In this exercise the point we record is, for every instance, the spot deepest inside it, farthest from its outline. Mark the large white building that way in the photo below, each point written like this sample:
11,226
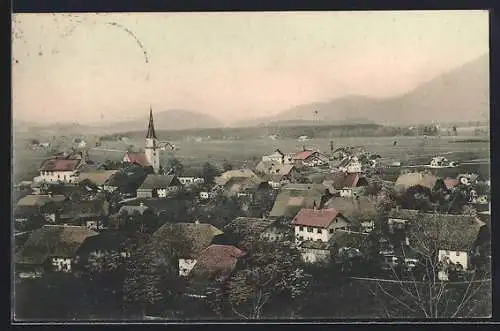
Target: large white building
60,170
318,224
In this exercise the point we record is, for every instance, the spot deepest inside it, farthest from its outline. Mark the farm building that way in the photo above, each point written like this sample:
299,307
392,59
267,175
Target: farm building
361,211
346,184
293,197
309,158
100,178
238,173
159,186
56,170
318,224
50,248
247,230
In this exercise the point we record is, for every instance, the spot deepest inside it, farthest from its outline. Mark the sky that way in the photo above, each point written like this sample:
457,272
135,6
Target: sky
88,68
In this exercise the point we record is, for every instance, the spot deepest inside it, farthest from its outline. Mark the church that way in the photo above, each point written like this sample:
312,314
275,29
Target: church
151,155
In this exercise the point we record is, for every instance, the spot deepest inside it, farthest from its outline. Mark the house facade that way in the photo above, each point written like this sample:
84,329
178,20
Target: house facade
350,165
318,225
309,158
59,170
159,186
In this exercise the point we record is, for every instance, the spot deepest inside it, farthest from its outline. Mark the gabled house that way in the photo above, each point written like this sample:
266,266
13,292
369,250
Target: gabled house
280,174
278,157
318,224
293,197
33,205
346,184
187,240
91,214
138,158
361,211
50,248
100,178
350,165
159,186
309,158
215,264
59,170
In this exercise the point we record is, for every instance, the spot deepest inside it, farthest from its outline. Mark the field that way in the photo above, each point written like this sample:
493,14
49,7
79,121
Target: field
473,155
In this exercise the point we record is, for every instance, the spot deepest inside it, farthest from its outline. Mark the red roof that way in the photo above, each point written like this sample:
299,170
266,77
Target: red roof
342,180
451,182
320,218
60,165
303,155
139,158
217,260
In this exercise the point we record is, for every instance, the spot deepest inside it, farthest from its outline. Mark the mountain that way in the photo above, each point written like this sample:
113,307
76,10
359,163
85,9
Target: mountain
461,94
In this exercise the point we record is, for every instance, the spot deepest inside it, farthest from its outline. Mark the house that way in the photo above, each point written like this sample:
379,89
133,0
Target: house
293,197
245,187
346,184
278,157
52,247
33,204
59,170
100,178
249,229
361,211
309,158
426,180
318,224
350,165
277,174
191,180
188,239
159,186
238,173
138,158
91,213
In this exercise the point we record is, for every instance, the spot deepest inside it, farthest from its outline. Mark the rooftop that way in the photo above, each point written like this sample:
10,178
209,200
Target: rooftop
153,181
321,218
217,262
139,158
56,164
99,177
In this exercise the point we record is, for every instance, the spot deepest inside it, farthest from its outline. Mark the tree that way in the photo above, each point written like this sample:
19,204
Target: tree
209,172
227,166
268,277
174,166
419,291
151,280
417,197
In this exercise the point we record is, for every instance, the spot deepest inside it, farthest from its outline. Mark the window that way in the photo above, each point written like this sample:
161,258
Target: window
336,220
331,231
319,230
301,228
457,253
310,229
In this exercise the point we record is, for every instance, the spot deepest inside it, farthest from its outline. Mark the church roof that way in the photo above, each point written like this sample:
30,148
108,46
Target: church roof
151,127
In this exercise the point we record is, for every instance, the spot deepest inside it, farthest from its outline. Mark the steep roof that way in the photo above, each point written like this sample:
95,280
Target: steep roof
342,180
151,127
57,164
99,177
153,181
294,197
90,208
303,155
109,240
139,158
217,262
356,210
406,181
321,218
39,200
194,237
239,184
52,241
224,177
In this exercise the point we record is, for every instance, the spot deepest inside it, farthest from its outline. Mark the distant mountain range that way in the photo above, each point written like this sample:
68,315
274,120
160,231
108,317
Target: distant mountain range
461,94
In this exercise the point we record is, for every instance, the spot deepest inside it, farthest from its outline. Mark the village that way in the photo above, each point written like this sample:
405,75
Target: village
236,239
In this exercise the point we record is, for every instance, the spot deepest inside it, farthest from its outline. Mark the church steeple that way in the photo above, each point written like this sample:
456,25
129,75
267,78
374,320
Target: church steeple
151,127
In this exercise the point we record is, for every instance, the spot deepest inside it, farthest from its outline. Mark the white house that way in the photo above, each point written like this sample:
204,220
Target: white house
277,157
59,170
159,186
318,224
190,180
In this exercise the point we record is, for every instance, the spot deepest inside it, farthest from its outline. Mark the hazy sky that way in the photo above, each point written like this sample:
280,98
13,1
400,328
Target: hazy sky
231,65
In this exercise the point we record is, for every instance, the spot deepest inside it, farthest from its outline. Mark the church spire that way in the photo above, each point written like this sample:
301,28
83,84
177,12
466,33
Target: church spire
151,127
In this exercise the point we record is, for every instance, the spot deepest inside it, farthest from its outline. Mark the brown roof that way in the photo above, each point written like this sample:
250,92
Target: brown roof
293,197
342,180
451,183
159,181
217,262
39,199
60,165
97,177
192,238
139,158
303,155
321,218
356,210
52,241
248,226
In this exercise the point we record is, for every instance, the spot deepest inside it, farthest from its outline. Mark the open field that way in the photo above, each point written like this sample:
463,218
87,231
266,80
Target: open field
474,156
